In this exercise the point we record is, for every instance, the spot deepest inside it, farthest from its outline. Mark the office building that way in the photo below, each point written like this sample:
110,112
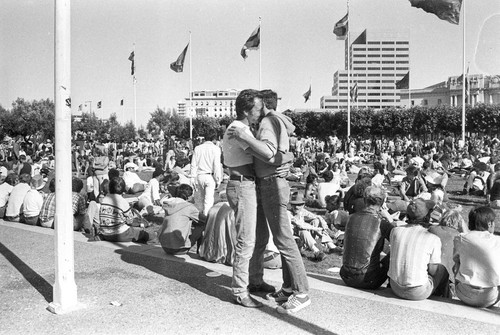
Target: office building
215,103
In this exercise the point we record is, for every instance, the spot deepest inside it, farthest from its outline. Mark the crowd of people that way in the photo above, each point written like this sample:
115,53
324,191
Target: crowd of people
280,195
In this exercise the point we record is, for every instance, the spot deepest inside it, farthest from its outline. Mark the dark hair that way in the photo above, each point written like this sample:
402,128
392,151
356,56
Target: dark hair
360,187
113,173
328,176
117,185
245,102
311,178
11,179
377,166
184,191
480,217
52,185
412,170
426,164
158,172
270,99
76,185
25,178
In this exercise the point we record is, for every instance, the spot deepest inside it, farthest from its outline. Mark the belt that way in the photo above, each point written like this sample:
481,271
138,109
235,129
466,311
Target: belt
242,178
273,176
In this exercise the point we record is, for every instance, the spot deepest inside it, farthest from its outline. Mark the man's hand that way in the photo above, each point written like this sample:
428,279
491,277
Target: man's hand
283,170
237,132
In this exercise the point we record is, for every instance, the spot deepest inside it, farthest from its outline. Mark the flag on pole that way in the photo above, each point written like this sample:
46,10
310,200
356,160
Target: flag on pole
307,95
461,79
448,10
252,43
132,66
99,104
341,28
121,102
404,83
354,92
178,65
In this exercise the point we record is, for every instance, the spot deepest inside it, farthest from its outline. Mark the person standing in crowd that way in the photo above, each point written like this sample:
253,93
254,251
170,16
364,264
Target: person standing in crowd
206,171
365,233
273,196
477,261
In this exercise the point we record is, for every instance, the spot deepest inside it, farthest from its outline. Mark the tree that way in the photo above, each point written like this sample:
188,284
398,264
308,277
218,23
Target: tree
34,118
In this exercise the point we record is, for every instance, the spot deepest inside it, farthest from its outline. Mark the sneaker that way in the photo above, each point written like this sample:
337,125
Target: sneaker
248,301
264,287
280,296
319,256
294,304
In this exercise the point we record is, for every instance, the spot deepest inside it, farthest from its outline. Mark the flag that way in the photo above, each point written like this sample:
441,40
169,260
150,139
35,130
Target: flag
461,79
68,102
99,104
404,83
121,102
178,65
448,10
354,92
307,95
341,28
80,108
132,66
252,43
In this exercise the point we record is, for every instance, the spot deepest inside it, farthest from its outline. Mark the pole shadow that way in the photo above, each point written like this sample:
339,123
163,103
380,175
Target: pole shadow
37,281
196,276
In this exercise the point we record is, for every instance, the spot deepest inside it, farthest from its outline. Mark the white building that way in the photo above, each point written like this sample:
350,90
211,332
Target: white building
215,103
377,61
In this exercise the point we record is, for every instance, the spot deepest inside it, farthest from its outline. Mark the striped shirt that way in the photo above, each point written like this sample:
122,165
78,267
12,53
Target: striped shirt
115,215
412,249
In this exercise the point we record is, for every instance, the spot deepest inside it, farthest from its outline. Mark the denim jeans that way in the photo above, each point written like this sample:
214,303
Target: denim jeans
274,194
242,198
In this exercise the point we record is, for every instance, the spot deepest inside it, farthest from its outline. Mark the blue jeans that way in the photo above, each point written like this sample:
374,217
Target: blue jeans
274,194
242,198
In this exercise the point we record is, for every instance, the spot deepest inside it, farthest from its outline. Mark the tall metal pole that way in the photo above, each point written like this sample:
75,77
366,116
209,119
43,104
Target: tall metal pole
65,291
260,53
190,89
348,74
135,94
463,73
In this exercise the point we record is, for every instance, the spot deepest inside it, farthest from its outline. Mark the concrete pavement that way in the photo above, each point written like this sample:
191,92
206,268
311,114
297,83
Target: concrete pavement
127,288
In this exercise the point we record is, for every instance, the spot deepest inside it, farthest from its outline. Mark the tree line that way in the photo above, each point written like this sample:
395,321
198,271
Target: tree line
36,118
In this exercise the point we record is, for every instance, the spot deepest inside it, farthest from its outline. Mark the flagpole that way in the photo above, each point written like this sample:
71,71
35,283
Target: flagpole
348,76
463,72
260,53
190,89
135,94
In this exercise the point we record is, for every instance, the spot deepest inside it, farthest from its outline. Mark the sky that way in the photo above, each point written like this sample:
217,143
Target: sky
298,48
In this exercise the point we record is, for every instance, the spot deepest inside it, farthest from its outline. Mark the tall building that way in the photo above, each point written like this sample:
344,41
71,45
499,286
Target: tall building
377,61
482,89
212,103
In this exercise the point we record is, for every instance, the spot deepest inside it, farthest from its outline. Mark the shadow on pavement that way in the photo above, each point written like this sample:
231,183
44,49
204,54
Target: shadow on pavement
37,281
195,276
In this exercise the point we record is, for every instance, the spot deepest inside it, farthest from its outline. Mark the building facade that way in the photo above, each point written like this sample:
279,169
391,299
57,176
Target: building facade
215,103
481,89
377,61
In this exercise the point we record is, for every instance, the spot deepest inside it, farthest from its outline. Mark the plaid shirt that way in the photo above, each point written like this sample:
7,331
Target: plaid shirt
48,210
79,204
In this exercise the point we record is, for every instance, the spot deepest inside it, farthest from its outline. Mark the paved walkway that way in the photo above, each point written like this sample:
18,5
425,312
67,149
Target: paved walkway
125,288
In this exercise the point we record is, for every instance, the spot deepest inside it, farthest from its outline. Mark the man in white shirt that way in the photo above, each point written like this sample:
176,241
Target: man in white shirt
206,171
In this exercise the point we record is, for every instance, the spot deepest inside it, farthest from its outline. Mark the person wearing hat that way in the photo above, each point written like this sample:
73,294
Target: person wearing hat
415,269
150,198
365,232
307,226
133,182
32,203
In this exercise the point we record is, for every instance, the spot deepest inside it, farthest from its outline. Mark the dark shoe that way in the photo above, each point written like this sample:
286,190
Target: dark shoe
264,287
280,296
248,302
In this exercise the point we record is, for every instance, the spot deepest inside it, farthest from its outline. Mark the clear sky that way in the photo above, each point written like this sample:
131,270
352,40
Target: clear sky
297,44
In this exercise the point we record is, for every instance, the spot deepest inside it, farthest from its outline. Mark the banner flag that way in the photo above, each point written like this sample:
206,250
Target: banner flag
341,28
307,95
252,43
404,83
132,66
448,10
178,65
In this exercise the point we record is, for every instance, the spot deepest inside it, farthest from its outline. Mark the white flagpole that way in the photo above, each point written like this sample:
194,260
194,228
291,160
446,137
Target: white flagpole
348,74
463,72
135,95
190,89
260,53
65,290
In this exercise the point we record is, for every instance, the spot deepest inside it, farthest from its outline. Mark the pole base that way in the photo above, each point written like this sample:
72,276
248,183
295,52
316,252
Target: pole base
59,309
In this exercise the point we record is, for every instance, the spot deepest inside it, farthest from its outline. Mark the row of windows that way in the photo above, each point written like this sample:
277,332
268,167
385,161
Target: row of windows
388,42
214,103
203,94
383,49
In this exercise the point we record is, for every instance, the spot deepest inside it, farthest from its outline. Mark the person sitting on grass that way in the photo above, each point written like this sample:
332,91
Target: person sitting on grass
363,266
477,181
329,187
78,203
5,190
477,261
150,198
16,198
181,228
311,191
412,185
117,220
133,182
307,226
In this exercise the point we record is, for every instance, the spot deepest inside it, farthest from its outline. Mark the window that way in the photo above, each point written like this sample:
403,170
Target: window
387,49
402,49
401,55
402,42
372,56
424,102
439,101
388,62
388,68
359,68
374,68
359,62
373,42
402,62
387,42
374,81
385,56
401,69
373,49
359,49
